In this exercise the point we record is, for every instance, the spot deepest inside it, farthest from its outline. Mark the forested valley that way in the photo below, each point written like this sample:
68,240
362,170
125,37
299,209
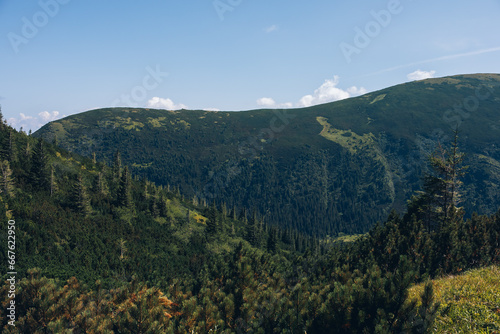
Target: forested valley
332,168
103,251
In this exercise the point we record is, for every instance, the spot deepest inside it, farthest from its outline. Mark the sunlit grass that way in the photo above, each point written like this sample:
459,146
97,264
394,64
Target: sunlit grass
470,303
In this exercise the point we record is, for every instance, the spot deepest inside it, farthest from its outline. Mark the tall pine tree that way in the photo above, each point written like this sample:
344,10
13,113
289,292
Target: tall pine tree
440,198
100,185
124,195
211,214
250,229
117,166
6,182
11,149
53,182
80,199
39,175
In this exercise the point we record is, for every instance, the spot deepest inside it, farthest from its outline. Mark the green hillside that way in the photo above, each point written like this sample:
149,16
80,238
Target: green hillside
314,169
469,303
77,217
101,250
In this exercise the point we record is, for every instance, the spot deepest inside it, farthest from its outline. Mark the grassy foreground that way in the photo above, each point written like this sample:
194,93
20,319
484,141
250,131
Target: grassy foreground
470,303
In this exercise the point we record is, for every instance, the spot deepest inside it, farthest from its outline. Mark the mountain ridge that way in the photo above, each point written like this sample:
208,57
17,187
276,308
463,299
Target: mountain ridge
326,159
104,251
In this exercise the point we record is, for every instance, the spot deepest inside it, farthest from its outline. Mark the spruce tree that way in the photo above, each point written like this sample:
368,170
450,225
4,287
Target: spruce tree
4,140
250,229
162,205
100,186
6,182
145,193
445,183
271,240
80,199
39,176
26,156
234,214
11,149
211,228
117,166
124,195
153,201
53,183
441,196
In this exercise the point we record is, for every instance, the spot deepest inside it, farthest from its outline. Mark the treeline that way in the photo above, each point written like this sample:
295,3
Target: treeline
317,193
119,254
315,190
80,217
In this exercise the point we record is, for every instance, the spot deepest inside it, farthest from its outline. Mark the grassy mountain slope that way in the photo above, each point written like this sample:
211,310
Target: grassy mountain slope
469,303
315,169
73,220
117,254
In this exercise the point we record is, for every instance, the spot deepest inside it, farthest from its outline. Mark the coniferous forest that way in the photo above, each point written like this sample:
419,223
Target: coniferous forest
333,168
249,167
100,250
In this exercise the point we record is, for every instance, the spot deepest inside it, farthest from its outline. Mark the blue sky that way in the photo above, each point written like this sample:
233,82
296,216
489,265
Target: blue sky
61,57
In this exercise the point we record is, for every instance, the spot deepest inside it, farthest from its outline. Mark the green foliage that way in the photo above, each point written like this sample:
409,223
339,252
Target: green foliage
79,197
141,258
46,306
322,170
250,229
38,175
6,181
440,198
211,214
124,195
469,302
117,166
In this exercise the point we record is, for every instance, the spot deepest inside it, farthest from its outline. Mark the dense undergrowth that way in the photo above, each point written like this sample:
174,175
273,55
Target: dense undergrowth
120,254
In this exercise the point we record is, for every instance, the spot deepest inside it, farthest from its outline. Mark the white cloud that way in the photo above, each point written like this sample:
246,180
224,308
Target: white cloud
48,117
31,122
329,92
355,91
160,103
266,102
270,29
421,75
